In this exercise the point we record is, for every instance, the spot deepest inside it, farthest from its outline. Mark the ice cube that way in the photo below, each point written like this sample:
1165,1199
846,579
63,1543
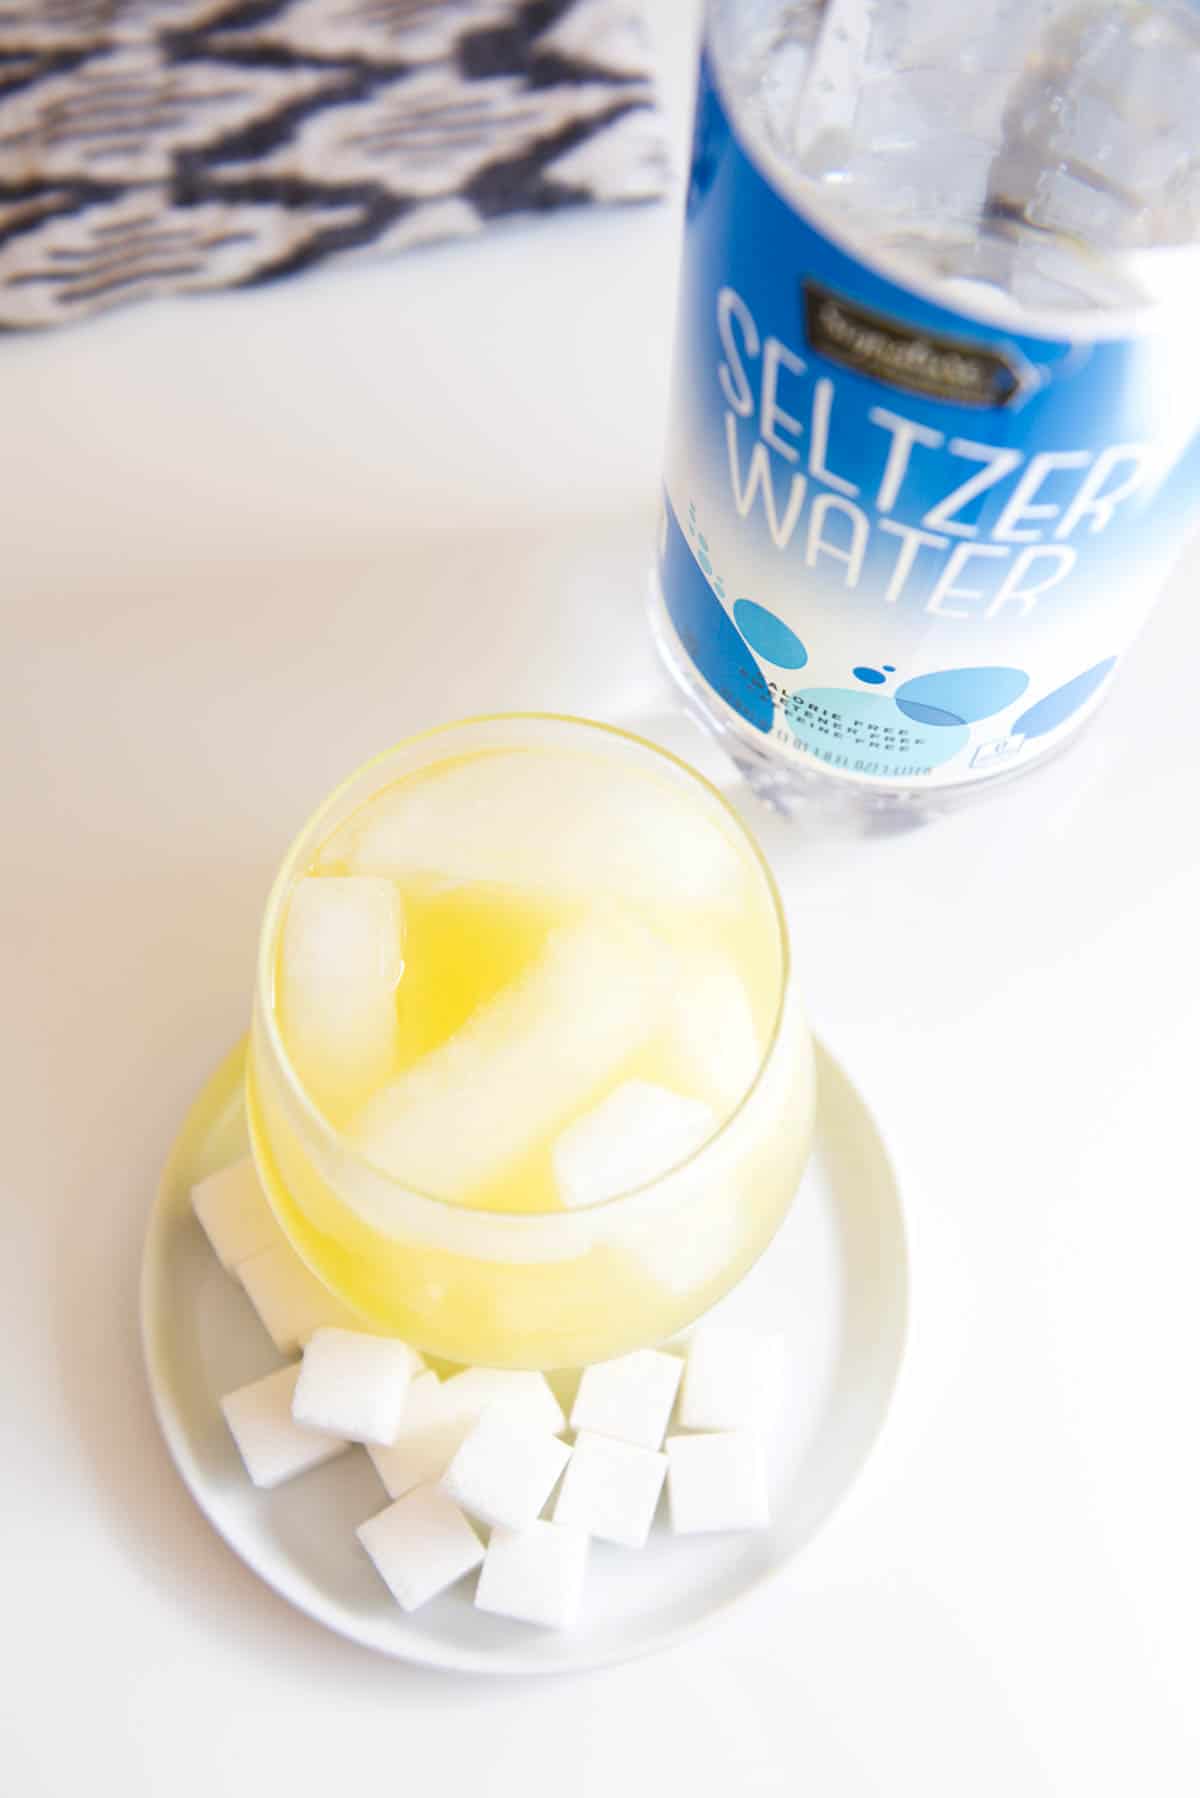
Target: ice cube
637,1133
713,1039
522,1063
692,1246
340,959
569,825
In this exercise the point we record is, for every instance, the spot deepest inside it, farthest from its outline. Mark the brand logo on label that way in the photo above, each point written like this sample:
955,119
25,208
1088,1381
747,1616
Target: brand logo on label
943,368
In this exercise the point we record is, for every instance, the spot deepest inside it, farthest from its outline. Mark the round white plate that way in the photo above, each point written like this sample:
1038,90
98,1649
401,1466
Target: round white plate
835,1280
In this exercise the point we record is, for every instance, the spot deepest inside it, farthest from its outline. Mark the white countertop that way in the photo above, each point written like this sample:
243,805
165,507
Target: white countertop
250,539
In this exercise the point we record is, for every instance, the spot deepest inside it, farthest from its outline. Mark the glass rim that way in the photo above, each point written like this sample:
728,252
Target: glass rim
308,835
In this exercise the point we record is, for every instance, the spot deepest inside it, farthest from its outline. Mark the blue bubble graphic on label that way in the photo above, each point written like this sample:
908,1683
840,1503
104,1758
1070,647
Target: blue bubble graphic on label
1058,706
955,696
867,733
871,676
889,668
769,635
708,634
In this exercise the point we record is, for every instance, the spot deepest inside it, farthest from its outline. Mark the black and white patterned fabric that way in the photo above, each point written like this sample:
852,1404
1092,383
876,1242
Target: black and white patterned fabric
149,146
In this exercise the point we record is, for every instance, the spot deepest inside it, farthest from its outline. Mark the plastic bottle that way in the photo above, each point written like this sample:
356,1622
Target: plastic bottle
935,428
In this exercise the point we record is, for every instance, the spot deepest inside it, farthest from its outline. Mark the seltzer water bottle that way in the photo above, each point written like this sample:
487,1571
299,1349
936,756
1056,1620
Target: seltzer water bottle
934,438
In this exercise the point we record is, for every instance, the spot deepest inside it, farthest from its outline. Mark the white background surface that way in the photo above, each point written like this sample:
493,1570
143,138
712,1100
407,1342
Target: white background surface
248,540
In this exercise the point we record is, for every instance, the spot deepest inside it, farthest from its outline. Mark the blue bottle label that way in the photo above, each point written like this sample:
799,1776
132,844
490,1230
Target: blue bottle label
903,542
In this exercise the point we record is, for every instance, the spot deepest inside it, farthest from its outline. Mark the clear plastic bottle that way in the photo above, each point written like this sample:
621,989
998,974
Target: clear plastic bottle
935,428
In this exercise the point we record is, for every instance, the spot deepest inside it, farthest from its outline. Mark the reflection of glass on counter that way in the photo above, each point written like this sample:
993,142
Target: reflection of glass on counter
527,1084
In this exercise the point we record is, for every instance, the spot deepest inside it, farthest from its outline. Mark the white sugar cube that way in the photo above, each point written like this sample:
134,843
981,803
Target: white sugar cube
610,1489
717,1482
630,1398
420,1545
356,1385
637,1133
234,1214
535,1575
732,1379
340,958
432,1428
504,1471
291,1302
270,1442
523,1396
712,1037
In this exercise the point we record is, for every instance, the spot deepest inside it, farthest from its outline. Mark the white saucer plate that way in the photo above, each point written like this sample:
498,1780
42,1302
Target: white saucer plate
834,1280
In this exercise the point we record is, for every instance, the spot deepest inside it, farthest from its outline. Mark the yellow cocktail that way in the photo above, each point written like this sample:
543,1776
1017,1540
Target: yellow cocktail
527,1084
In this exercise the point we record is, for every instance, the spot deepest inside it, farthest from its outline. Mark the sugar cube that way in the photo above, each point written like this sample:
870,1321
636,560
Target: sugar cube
520,1394
440,1415
273,1446
420,1545
504,1471
717,1482
610,1489
432,1428
291,1302
535,1575
732,1379
637,1133
355,1385
629,1398
234,1214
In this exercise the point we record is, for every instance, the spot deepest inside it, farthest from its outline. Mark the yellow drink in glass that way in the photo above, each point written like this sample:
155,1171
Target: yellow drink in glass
527,1084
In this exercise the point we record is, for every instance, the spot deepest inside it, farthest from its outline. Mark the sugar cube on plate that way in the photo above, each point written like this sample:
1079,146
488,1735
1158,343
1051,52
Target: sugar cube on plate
526,1396
535,1575
355,1385
270,1442
637,1133
234,1214
717,1482
504,1471
420,1545
432,1428
291,1302
610,1489
732,1379
629,1398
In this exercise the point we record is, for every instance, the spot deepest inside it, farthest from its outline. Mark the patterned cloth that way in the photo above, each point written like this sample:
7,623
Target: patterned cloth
149,146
